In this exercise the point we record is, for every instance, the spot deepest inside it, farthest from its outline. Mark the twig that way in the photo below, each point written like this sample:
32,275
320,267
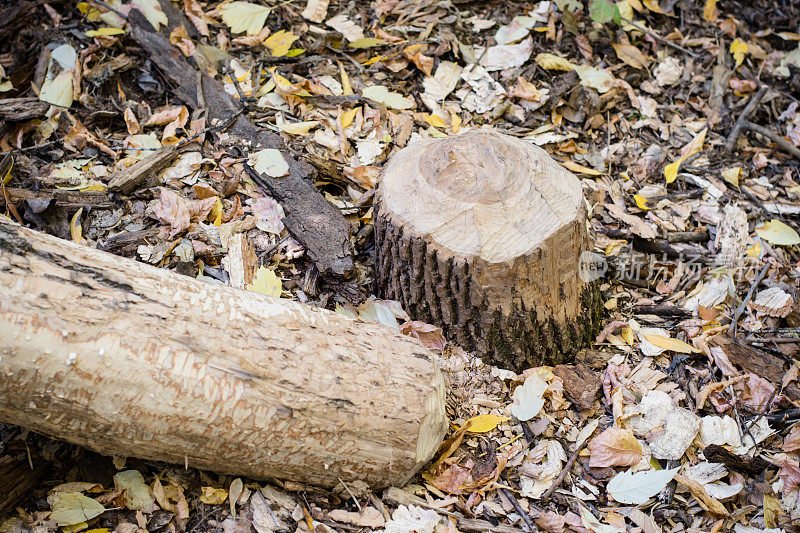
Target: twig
730,143
564,471
31,148
660,38
747,298
525,517
774,137
351,494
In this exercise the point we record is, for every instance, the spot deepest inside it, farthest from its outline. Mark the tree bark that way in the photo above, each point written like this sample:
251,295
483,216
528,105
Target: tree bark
131,360
483,235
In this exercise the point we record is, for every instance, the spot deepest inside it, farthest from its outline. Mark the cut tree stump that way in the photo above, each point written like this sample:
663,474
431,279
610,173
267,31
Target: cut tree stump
130,360
482,234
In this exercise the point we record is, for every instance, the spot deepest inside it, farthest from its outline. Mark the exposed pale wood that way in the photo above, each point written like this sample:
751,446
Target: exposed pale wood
132,360
482,234
143,173
241,261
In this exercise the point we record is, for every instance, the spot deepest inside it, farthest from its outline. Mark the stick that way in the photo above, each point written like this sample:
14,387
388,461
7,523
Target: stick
660,38
564,471
774,137
749,295
733,136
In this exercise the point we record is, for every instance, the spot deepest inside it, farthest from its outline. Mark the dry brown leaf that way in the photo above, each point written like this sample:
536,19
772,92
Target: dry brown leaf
712,505
614,447
631,55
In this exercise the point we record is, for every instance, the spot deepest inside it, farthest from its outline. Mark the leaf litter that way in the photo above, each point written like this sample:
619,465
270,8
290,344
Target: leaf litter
681,416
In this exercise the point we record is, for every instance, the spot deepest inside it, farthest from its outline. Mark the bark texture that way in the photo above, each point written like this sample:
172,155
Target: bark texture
491,254
127,359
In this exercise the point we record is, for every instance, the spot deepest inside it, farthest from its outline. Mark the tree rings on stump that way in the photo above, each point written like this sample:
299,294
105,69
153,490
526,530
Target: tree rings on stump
482,234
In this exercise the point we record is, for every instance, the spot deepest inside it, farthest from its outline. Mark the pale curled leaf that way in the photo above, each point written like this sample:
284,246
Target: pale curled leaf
636,489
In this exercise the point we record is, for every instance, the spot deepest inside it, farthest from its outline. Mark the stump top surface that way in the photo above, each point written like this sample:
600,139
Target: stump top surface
480,194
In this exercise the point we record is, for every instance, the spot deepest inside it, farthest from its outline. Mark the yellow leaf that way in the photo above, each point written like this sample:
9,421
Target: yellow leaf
694,146
631,55
298,128
732,175
373,60
553,62
580,169
641,201
216,213
105,32
244,17
75,230
776,232
627,335
5,169
367,42
382,95
346,88
435,121
280,42
455,122
653,6
485,423
754,251
668,343
738,49
265,282
152,11
212,496
710,11
348,116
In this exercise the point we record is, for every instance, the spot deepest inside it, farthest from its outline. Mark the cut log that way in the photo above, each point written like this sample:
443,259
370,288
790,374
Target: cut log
130,360
482,234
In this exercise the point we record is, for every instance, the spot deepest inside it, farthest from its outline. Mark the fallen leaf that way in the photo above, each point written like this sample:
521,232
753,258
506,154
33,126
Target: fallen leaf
75,229
669,343
105,32
73,507
265,282
630,55
778,233
636,489
738,48
382,95
712,505
315,10
368,42
298,128
137,494
614,447
213,496
280,42
710,10
484,423
693,147
152,11
244,17
554,62
270,162
528,398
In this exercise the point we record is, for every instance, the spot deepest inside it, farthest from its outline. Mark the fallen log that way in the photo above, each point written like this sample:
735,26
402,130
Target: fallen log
483,234
130,360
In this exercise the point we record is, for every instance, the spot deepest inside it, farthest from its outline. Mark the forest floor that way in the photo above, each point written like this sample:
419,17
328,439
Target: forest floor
682,120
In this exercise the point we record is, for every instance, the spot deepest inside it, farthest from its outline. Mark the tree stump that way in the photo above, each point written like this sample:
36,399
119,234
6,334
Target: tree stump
482,234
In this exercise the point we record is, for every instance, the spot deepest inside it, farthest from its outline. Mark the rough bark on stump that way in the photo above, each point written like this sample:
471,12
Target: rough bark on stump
131,360
482,234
